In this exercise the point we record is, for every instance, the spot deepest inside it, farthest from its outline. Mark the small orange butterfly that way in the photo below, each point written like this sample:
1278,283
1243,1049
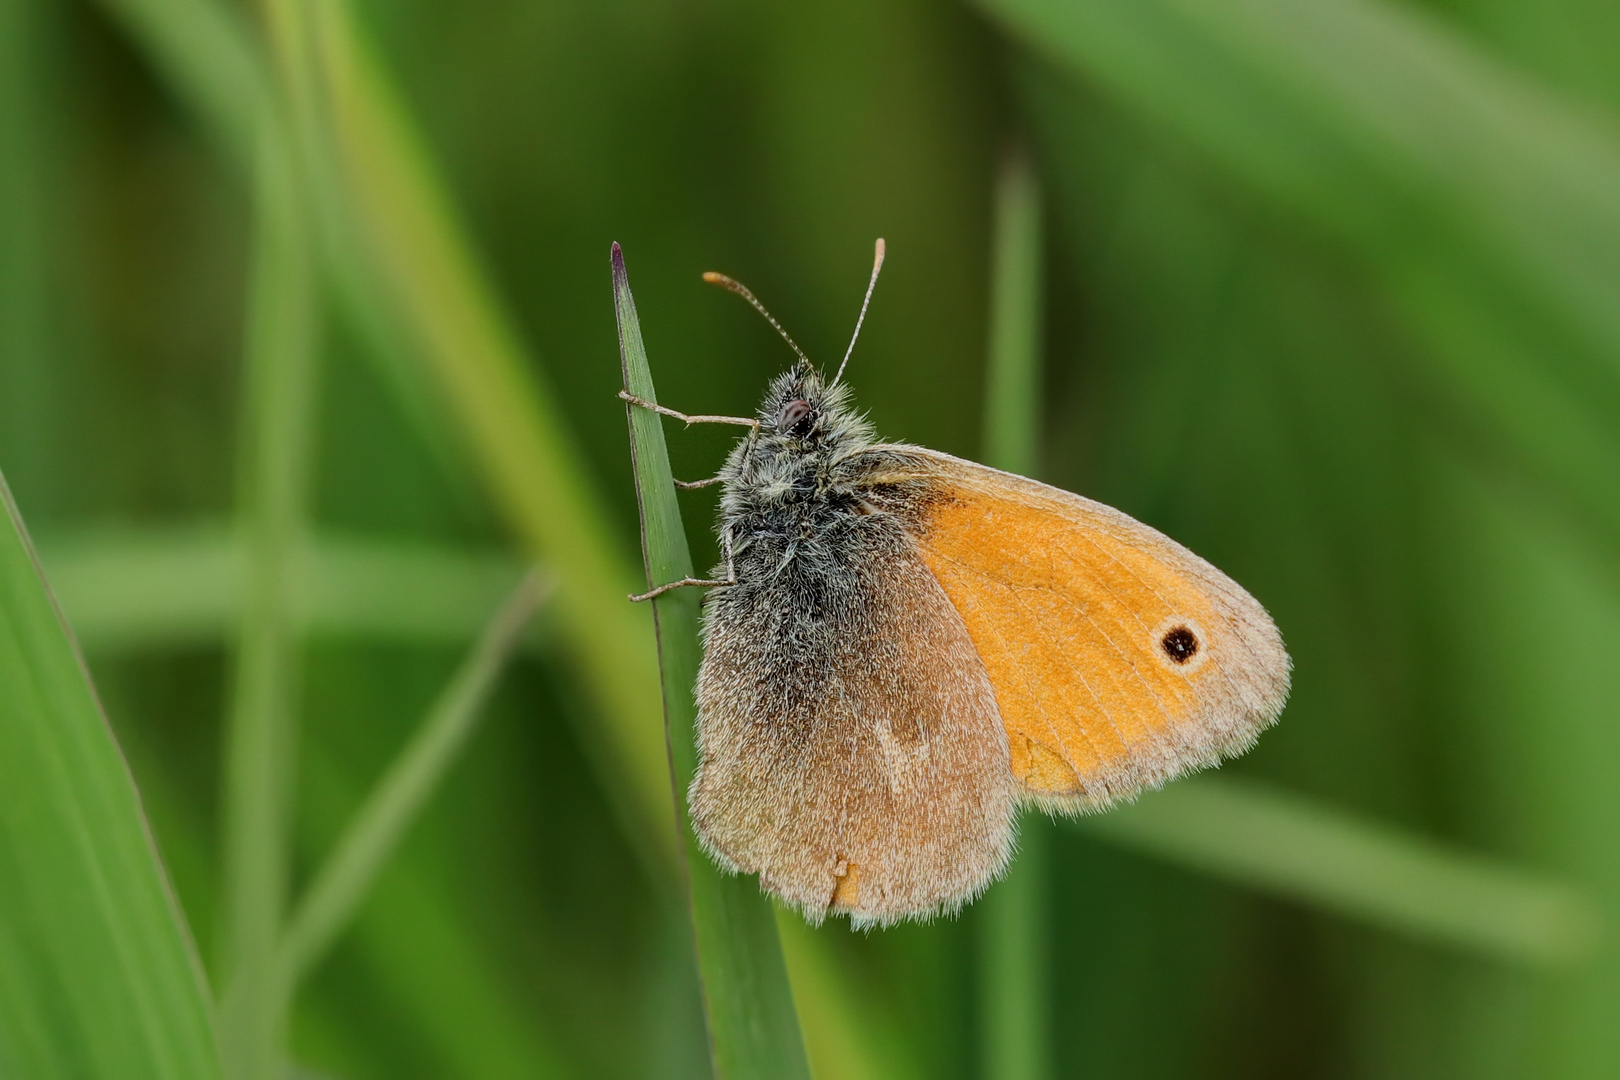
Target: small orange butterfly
906,646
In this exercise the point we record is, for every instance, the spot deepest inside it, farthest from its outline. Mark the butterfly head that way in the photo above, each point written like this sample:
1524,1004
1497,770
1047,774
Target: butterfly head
803,414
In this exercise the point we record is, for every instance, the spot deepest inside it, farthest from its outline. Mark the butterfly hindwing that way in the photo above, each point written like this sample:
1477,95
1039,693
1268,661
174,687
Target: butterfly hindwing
851,754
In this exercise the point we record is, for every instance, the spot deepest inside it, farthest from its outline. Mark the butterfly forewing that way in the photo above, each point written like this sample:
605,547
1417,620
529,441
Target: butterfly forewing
1119,658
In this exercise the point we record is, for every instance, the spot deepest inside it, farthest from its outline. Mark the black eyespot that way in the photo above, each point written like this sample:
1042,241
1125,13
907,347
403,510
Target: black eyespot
1179,644
798,417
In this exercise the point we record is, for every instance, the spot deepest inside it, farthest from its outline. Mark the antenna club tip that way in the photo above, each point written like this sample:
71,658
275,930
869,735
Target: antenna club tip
712,277
880,248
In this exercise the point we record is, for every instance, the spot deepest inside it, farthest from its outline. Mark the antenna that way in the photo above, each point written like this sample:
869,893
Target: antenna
742,290
877,265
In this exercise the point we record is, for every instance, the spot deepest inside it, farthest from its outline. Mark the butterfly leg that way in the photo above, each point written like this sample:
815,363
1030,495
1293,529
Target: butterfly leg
731,575
689,485
652,594
689,419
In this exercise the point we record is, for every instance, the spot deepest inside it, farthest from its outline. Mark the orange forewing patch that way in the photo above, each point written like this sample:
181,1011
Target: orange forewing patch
1067,616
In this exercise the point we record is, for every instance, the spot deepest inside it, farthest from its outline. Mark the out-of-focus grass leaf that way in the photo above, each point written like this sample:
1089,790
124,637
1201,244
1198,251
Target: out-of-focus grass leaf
1487,209
753,1029
1298,849
506,413
275,459
342,881
98,977
849,1033
207,52
1015,956
1013,373
133,589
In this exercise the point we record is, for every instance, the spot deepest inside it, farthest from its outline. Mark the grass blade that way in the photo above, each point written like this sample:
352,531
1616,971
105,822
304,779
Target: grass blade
277,391
341,883
1015,1040
98,977
1295,848
753,1030
158,588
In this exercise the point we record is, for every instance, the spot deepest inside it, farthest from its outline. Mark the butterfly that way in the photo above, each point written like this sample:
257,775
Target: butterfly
902,648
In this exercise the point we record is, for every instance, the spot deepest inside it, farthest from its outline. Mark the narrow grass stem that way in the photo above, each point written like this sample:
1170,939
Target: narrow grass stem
1014,949
277,392
342,881
1012,376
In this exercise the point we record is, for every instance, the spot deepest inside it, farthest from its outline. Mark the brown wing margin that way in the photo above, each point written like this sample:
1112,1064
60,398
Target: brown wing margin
1119,659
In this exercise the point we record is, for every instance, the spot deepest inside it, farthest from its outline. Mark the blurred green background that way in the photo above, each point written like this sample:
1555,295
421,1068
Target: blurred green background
1331,294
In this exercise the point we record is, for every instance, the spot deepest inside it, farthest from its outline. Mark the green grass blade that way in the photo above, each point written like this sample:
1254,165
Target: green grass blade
149,589
342,881
1296,848
1015,963
1015,1040
753,1030
98,977
277,392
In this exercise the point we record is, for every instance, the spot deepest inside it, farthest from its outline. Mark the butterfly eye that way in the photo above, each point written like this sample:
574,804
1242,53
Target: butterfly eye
1179,644
796,417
